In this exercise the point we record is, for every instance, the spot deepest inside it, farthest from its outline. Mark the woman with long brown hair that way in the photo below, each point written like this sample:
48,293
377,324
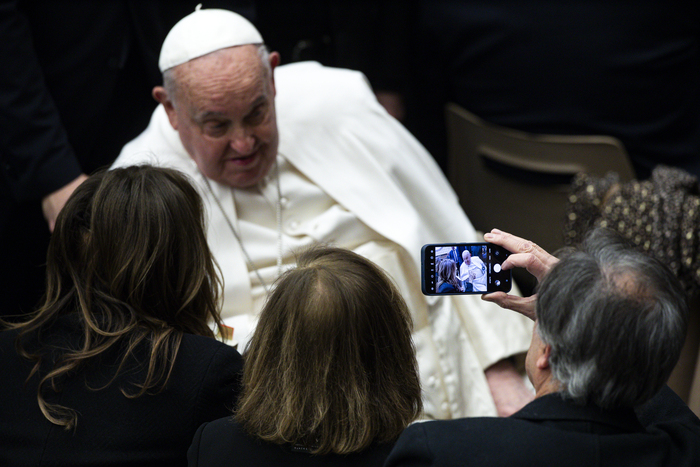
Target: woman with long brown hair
330,375
119,365
447,277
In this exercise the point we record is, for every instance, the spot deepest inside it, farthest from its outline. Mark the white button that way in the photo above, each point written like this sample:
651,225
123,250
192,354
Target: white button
445,406
293,225
431,381
284,201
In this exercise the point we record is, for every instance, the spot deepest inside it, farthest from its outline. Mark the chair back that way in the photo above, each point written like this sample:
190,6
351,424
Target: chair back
518,181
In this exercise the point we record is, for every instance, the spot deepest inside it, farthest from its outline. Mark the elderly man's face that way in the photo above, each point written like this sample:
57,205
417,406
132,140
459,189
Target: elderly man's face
224,112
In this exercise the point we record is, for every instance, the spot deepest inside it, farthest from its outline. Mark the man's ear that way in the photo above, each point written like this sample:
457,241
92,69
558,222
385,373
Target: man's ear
274,61
543,359
161,95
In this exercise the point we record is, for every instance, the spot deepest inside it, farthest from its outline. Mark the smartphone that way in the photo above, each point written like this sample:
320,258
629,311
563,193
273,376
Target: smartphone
464,268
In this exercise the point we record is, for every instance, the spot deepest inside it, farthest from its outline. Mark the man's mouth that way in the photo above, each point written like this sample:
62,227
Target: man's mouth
245,160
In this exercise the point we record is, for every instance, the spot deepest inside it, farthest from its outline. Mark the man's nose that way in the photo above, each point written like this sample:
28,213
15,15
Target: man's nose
243,142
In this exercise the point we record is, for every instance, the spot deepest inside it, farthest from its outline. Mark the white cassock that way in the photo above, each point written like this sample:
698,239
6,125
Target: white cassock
475,272
350,175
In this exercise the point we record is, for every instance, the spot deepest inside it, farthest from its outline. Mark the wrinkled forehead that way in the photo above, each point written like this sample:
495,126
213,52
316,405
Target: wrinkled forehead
231,73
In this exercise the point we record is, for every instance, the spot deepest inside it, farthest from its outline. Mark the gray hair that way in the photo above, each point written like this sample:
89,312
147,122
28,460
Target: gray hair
170,79
615,319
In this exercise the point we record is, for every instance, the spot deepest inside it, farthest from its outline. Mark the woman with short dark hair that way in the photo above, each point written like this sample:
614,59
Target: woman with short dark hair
119,365
330,375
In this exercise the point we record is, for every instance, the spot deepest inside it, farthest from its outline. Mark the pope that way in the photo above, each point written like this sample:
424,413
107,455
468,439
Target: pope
294,155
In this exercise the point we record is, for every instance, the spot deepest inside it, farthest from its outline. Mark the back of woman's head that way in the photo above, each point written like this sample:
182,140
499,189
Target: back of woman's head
128,261
447,271
331,365
131,242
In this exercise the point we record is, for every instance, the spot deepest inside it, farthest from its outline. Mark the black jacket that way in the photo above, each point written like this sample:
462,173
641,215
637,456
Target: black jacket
112,429
553,432
224,443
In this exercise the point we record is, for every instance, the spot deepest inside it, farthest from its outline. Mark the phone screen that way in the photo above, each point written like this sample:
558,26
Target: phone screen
464,268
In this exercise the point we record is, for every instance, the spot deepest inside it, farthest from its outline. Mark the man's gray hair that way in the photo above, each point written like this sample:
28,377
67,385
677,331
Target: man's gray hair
170,80
615,319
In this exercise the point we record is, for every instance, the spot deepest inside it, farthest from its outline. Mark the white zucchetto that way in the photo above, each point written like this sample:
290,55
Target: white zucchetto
204,32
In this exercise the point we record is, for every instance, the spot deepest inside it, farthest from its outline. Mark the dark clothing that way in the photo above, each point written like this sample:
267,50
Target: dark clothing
112,429
552,431
363,35
446,287
224,443
456,256
75,86
629,70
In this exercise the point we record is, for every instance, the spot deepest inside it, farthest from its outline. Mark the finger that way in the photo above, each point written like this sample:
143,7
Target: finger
532,263
523,305
516,244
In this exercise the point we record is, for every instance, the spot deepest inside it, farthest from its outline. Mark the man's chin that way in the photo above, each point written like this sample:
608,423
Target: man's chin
245,179
236,175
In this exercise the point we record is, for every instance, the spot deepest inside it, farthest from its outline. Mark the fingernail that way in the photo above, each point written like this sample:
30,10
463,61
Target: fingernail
496,231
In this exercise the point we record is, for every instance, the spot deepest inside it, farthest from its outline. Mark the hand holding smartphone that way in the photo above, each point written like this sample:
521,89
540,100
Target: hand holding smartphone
464,268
